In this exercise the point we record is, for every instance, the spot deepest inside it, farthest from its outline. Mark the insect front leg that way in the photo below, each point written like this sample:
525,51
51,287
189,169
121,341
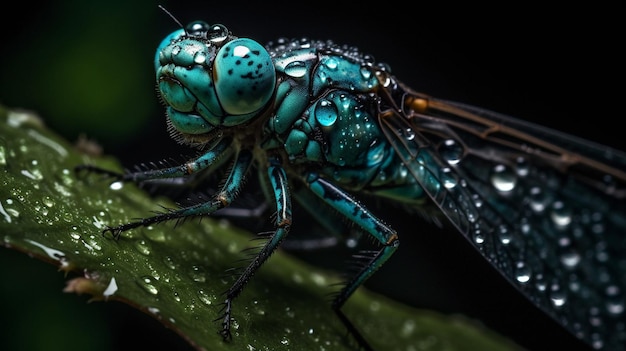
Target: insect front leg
221,199
353,210
205,160
280,190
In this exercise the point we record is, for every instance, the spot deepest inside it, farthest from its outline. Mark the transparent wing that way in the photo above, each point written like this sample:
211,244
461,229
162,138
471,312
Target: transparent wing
546,209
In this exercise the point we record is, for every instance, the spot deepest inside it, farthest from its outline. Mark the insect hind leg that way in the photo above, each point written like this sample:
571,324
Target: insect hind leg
357,213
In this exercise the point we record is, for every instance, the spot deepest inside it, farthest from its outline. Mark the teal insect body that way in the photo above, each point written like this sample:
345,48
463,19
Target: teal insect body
323,111
547,210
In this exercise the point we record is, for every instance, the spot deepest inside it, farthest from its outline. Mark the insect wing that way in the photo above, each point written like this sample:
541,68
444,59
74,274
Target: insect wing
546,209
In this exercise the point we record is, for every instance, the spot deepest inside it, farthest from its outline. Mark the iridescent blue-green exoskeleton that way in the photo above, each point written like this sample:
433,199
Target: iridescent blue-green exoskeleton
547,210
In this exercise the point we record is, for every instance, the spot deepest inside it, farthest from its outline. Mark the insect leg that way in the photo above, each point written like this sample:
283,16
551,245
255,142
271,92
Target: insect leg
330,223
221,199
353,210
280,189
191,167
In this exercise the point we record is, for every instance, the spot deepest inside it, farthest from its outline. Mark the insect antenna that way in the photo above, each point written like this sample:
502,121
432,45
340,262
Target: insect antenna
173,18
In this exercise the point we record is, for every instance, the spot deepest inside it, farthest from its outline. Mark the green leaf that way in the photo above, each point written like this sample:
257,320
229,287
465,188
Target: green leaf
177,273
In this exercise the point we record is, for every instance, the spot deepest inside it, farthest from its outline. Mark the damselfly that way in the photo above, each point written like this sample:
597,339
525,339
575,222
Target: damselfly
546,209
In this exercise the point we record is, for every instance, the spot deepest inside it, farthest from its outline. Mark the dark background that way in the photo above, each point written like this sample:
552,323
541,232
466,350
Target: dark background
86,67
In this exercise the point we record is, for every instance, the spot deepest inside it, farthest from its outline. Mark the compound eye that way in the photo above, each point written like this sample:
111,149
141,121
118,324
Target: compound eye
197,28
244,76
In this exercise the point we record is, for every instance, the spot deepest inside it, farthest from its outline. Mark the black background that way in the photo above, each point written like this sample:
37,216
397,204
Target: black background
559,67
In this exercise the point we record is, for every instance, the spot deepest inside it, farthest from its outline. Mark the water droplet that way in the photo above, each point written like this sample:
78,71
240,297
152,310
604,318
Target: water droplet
205,298
574,284
478,202
154,310
146,282
52,253
296,69
3,157
538,200
34,174
11,211
403,172
199,58
594,318
503,179
561,214
504,235
289,312
597,228
67,177
47,201
143,247
92,244
198,274
451,151
326,112
597,344
234,324
478,237
98,223
570,258
110,289
297,278
225,224
615,305
540,283
217,33
366,73
331,63
522,167
5,214
319,279
525,227
61,189
557,296
116,185
258,309
352,242
408,327
409,134
17,118
522,273
169,262
448,178
612,290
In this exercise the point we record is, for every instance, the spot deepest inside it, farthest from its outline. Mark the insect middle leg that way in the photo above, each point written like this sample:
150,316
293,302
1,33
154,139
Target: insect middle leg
282,196
357,213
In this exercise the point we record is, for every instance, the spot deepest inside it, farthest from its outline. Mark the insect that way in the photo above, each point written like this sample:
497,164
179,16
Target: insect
546,209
